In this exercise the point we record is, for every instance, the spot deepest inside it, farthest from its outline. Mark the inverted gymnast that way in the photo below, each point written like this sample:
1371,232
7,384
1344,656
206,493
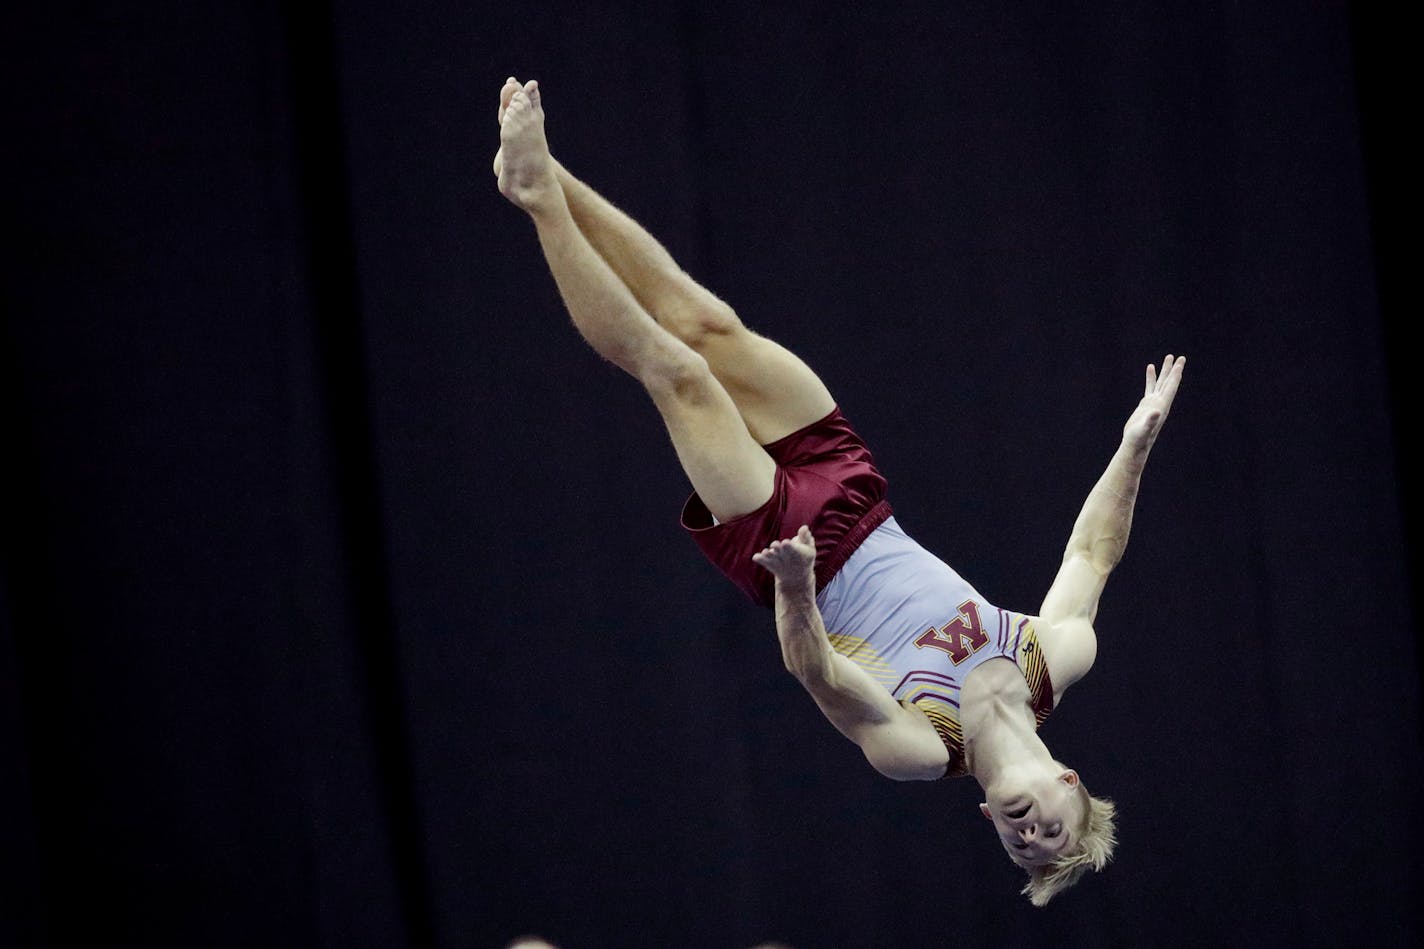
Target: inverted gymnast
902,655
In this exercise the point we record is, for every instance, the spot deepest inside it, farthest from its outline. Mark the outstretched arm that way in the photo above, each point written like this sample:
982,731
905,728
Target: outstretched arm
898,742
1100,534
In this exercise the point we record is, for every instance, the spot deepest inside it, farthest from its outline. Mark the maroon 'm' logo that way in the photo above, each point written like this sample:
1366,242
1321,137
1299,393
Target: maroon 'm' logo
961,638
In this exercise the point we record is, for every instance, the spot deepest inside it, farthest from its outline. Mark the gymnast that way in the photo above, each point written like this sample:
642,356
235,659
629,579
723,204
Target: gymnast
901,654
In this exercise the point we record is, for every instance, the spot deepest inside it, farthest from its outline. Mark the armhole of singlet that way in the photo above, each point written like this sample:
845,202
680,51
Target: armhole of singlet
1035,672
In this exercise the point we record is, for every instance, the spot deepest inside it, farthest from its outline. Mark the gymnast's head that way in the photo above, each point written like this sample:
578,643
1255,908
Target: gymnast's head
1050,826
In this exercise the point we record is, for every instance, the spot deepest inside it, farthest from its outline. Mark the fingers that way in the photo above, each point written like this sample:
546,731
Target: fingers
1172,379
1171,371
767,558
803,536
1169,377
787,551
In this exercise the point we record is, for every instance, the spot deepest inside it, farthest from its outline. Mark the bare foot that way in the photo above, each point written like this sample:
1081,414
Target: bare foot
526,169
511,86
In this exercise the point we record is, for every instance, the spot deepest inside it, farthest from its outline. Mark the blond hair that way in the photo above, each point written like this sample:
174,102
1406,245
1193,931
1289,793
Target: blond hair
1096,840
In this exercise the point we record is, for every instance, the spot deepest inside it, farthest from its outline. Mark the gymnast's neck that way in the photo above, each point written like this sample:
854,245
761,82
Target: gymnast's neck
1000,731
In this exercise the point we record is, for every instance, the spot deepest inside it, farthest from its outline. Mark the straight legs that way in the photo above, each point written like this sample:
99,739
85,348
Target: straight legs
727,467
774,391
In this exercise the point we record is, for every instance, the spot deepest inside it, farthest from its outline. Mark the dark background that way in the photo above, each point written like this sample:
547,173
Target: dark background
344,602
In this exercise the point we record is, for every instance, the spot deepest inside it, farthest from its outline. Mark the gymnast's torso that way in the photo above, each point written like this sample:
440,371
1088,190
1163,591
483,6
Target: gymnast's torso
919,628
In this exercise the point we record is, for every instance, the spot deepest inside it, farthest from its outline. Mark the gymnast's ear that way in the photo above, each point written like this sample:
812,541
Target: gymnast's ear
984,809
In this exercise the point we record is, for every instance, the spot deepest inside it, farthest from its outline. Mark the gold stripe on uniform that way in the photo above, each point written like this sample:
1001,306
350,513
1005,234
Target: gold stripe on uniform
864,655
1035,672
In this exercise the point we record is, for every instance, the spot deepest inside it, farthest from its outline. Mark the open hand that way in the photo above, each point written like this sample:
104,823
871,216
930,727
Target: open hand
1146,420
792,559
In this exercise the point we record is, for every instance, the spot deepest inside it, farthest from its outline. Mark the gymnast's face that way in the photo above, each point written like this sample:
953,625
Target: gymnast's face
1036,817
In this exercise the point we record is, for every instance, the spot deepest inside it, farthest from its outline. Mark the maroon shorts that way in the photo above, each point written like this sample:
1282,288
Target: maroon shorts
826,479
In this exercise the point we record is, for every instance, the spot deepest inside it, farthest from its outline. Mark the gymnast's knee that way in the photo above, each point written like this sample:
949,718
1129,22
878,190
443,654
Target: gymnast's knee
698,322
680,374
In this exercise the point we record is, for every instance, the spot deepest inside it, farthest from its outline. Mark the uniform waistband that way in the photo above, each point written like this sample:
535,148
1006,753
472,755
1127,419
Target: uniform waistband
827,569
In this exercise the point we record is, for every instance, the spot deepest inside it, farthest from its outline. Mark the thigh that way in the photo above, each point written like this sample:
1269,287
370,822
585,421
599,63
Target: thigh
728,469
774,390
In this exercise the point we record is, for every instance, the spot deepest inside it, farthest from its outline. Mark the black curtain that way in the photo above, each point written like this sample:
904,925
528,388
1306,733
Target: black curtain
344,601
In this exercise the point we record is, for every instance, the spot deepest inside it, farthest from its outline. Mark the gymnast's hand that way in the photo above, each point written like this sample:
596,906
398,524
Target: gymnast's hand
1146,420
792,560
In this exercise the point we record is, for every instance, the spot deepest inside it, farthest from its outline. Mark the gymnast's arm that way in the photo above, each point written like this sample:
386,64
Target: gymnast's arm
1100,534
898,742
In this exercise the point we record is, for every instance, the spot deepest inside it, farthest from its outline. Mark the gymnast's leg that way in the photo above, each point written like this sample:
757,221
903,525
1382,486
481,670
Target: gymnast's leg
728,469
775,392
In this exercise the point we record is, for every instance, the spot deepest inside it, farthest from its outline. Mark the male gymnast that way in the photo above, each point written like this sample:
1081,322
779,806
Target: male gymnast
902,655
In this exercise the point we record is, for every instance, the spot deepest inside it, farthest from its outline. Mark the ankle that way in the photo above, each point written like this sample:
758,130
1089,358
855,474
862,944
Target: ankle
548,207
